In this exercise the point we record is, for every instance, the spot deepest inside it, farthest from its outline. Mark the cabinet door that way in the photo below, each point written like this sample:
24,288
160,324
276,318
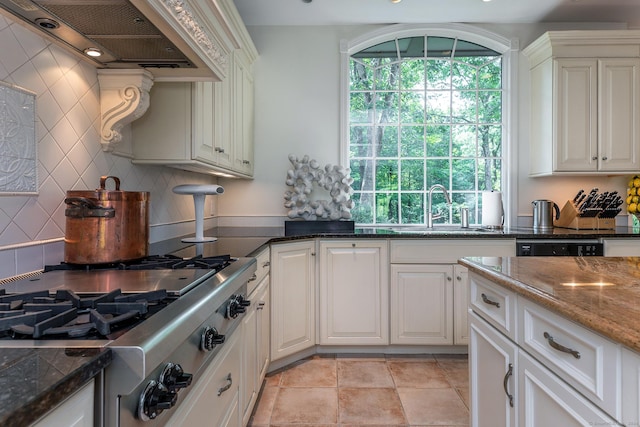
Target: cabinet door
76,411
293,314
619,109
493,379
575,101
354,300
630,387
263,308
243,114
545,400
460,305
212,123
249,390
421,304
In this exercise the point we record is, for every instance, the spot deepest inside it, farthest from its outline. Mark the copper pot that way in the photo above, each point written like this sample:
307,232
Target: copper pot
106,226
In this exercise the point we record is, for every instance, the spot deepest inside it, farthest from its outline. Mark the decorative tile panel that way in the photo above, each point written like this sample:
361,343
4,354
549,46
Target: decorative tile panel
18,167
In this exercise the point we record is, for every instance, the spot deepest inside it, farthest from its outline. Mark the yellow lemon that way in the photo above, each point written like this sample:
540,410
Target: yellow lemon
633,191
629,200
633,208
635,199
636,182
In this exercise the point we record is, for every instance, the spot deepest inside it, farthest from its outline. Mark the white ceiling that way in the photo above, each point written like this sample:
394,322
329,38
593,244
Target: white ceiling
345,12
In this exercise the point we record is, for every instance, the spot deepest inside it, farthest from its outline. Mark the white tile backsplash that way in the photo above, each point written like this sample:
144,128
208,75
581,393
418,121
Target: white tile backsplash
70,155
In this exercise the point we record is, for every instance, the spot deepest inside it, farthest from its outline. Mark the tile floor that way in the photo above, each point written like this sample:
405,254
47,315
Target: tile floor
389,391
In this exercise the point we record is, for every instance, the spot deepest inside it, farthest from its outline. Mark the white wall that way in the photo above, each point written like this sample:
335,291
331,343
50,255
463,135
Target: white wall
297,111
70,155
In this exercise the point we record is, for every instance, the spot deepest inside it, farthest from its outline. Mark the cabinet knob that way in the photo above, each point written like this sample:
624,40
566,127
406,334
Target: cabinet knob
219,150
594,158
449,278
605,158
246,162
458,278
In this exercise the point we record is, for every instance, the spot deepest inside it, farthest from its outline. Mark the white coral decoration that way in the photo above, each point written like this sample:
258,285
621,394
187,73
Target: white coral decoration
335,179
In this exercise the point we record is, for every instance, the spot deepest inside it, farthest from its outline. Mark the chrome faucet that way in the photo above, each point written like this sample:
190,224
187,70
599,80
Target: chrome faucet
430,216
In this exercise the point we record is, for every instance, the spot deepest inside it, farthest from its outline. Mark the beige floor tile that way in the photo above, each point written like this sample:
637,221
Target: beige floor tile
264,406
426,407
424,374
316,372
300,405
273,380
456,370
371,406
364,373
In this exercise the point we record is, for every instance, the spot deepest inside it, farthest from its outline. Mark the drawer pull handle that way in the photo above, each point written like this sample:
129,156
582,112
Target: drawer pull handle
488,301
560,347
261,305
227,386
505,383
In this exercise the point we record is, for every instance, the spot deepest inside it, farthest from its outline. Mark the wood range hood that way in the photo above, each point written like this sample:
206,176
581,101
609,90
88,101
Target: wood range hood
141,41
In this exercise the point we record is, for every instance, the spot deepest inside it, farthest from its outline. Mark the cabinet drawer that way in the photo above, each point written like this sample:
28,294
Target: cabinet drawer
493,303
262,269
214,397
587,361
448,251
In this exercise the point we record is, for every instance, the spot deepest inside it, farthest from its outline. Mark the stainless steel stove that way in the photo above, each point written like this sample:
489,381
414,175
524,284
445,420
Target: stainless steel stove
165,325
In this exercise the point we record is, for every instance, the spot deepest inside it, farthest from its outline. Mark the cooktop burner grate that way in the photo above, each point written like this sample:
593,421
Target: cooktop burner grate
154,262
67,315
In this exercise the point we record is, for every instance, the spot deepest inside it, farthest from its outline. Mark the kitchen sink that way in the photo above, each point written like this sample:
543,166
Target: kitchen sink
440,229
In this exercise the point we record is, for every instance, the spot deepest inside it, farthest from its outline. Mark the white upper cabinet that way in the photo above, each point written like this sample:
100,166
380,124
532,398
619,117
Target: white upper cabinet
585,103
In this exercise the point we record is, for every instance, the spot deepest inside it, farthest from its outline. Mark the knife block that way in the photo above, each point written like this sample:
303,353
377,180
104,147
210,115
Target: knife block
570,218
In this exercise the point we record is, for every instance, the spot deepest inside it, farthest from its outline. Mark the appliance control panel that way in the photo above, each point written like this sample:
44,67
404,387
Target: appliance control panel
559,248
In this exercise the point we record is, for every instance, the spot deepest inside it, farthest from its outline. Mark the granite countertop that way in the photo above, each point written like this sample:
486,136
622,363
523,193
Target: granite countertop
33,381
600,293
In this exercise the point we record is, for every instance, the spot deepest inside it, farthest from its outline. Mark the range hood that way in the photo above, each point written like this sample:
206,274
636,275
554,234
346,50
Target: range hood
185,39
142,41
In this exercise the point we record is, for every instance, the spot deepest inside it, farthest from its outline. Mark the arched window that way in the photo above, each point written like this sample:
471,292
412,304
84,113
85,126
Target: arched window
424,106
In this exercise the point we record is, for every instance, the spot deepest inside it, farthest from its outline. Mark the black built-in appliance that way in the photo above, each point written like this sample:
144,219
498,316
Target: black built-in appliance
559,247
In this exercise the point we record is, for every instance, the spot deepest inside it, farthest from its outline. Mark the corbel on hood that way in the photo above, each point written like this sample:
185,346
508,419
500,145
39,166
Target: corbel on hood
124,97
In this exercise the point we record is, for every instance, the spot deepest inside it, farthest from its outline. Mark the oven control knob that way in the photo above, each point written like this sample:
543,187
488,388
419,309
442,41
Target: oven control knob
210,338
236,306
174,378
154,399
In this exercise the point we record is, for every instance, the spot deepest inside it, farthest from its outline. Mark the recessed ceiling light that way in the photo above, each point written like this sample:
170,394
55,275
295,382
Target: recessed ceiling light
396,1
92,51
307,1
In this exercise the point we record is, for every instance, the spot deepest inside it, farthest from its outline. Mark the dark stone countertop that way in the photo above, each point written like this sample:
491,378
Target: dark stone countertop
34,381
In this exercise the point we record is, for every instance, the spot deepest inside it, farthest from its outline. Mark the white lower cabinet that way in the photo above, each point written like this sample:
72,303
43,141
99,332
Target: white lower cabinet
532,368
354,292
255,355
429,290
492,381
214,399
546,400
630,388
76,411
422,304
460,305
293,301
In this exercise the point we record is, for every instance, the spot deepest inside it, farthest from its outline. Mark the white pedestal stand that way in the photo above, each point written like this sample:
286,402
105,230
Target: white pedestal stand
199,193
